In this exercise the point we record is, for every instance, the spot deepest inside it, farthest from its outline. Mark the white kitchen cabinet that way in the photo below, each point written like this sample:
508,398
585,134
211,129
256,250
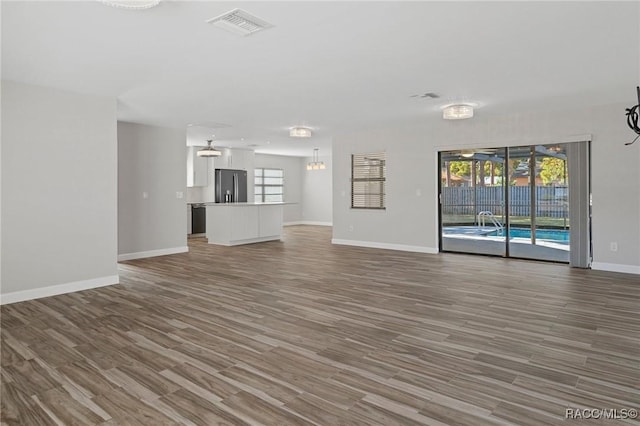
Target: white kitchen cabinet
231,224
238,159
188,219
197,168
223,161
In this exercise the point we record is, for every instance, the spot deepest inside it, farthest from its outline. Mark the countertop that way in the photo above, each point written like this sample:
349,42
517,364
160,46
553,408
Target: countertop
246,204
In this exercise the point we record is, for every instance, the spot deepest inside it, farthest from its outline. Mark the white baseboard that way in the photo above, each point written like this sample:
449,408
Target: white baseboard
54,290
152,253
387,246
307,222
615,267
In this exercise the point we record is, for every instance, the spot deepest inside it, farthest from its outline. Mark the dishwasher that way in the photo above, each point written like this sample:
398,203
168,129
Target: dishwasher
198,219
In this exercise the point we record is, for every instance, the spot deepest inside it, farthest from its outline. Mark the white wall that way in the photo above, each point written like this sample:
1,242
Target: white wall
317,190
410,220
292,167
59,183
151,160
195,194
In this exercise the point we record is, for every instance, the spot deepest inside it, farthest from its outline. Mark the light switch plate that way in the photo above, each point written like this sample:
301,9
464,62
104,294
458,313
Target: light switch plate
179,194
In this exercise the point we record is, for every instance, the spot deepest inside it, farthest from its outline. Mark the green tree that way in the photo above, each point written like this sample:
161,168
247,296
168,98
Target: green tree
552,171
460,168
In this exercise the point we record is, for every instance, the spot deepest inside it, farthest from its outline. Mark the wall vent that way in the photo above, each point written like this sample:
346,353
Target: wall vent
239,22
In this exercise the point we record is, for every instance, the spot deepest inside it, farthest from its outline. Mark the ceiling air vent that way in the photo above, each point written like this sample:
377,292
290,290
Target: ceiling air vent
239,22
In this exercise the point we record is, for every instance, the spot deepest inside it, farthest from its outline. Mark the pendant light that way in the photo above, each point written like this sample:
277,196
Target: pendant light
209,151
315,164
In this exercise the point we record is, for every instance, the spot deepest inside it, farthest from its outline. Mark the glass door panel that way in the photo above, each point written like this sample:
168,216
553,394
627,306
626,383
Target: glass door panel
538,203
472,201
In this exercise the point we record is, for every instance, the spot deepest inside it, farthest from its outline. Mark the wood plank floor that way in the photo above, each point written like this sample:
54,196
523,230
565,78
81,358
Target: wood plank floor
302,332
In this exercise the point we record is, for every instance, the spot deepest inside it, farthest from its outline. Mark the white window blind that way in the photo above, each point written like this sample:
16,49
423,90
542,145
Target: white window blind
368,178
269,185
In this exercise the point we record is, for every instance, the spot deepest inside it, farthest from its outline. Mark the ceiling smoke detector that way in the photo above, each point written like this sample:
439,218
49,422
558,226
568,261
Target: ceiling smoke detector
239,22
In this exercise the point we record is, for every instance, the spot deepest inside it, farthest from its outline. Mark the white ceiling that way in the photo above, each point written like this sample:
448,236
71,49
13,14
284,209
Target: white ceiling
333,66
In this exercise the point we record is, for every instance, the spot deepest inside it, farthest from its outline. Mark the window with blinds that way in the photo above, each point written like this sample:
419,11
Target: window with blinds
368,177
269,185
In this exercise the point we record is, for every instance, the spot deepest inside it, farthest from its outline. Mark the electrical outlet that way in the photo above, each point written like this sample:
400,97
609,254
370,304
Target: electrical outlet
350,228
418,192
613,246
145,195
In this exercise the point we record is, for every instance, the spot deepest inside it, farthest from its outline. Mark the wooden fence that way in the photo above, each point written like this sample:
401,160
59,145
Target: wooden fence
551,201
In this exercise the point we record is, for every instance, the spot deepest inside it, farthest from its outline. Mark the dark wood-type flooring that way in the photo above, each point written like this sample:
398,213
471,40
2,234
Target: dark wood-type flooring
303,332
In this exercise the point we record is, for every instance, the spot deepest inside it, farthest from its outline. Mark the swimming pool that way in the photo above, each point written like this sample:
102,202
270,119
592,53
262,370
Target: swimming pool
556,235
560,236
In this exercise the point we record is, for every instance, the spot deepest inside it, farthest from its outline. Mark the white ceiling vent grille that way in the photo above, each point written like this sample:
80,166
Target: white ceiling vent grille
239,22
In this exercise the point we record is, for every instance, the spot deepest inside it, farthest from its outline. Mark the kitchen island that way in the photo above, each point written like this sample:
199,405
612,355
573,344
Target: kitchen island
231,224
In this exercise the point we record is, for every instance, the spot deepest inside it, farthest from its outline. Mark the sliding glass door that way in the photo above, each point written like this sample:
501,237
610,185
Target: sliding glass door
538,203
472,201
515,202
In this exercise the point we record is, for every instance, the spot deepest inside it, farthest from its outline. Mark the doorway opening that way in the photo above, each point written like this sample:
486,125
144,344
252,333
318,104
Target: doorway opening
528,202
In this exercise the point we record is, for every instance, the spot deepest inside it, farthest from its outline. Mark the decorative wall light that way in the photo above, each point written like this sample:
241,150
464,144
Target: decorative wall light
209,151
316,164
457,112
300,132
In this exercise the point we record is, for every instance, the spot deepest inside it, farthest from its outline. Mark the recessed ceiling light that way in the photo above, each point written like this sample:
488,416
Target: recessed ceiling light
131,4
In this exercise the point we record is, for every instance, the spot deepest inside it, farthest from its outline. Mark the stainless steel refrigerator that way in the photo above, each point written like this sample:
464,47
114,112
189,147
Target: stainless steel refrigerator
231,186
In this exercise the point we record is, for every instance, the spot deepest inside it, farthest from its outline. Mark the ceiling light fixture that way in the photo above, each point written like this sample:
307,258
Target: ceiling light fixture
457,112
209,151
131,4
467,154
315,164
300,132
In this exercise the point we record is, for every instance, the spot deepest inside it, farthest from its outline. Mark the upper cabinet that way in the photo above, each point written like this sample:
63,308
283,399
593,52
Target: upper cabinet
197,168
239,159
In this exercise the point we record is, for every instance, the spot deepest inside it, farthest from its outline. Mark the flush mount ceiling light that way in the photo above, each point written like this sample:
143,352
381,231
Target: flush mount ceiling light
300,132
467,154
131,4
315,164
209,151
457,111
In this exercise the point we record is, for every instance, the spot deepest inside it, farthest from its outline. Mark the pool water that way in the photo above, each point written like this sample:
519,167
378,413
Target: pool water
556,235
